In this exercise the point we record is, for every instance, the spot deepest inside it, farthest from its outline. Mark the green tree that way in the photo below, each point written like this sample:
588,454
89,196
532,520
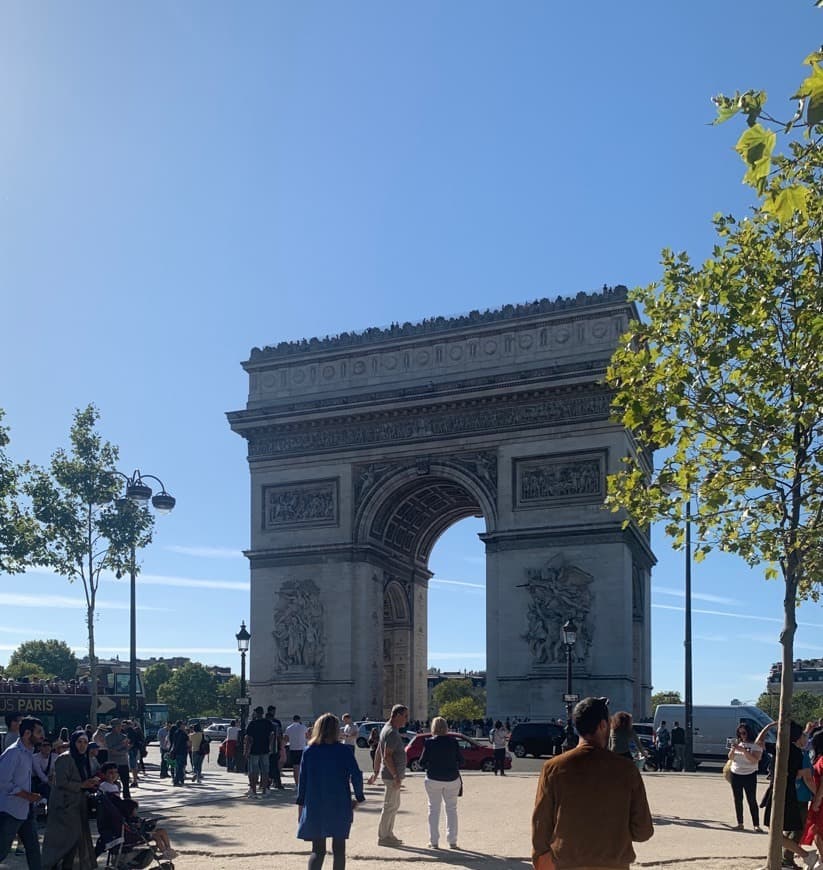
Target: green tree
191,691
19,539
724,374
54,657
86,533
453,690
805,706
461,708
227,695
22,669
153,677
664,697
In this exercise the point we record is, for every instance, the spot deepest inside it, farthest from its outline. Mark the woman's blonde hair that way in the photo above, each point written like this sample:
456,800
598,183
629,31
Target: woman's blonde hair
439,726
326,730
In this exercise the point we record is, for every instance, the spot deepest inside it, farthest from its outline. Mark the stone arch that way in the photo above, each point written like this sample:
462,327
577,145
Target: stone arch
365,447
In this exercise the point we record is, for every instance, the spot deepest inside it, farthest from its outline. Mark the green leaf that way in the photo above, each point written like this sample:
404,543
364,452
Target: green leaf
755,146
788,202
811,89
727,107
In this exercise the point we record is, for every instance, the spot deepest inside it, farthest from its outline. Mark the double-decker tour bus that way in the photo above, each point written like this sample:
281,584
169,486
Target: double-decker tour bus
155,716
60,704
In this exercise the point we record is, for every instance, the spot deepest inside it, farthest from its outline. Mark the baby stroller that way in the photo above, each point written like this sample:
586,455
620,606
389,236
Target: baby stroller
126,841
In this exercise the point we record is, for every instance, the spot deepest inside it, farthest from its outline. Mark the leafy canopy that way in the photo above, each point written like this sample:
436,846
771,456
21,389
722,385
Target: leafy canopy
55,658
191,691
19,539
462,708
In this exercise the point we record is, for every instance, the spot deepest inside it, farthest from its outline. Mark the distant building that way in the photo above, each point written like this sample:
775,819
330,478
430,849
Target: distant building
807,675
221,674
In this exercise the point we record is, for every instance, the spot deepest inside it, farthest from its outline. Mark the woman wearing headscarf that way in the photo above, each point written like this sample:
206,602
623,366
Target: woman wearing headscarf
67,827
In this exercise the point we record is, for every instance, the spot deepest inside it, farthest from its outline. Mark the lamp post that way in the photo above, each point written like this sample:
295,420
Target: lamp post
569,640
243,638
688,749
138,493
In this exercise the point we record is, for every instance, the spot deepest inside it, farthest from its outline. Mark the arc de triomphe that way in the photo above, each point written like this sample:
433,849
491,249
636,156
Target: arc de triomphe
364,448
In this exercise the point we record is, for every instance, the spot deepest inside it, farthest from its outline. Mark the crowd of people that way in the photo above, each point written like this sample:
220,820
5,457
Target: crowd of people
36,686
67,780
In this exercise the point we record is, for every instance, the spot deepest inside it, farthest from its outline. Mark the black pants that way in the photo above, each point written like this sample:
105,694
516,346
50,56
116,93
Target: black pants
125,779
318,854
500,761
274,769
164,765
11,827
745,782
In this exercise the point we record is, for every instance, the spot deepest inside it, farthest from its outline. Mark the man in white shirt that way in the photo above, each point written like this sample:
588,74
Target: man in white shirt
42,765
232,736
348,731
296,739
15,794
165,744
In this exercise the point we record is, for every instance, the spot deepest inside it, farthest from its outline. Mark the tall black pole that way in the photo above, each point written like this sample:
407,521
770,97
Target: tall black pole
133,639
243,690
569,705
688,751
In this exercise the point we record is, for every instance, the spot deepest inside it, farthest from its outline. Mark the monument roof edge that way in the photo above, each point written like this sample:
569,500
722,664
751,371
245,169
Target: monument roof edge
434,326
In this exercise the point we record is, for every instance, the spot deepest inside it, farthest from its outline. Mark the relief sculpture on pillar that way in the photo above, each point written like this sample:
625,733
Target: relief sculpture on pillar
557,592
298,628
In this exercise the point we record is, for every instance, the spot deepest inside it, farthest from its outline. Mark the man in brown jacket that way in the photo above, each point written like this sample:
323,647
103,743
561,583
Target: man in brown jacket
591,803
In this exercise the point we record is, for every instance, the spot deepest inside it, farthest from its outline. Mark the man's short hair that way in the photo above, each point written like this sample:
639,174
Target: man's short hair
109,765
258,711
589,713
397,709
11,718
676,724
295,718
29,723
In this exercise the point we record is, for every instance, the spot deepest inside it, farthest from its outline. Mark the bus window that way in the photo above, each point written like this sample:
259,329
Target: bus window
122,684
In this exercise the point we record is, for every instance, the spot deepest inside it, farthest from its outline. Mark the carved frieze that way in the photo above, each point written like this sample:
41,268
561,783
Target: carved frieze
299,628
414,424
305,503
545,480
557,592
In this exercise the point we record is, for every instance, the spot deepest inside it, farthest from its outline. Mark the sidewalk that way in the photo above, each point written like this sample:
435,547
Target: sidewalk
213,827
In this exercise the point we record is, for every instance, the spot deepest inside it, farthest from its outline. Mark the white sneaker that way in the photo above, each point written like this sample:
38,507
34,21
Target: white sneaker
810,859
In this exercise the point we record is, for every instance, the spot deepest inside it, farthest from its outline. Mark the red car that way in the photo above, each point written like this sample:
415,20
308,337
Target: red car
477,756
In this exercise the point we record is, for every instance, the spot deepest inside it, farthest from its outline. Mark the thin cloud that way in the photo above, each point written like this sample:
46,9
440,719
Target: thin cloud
735,615
713,638
458,583
206,552
10,629
14,599
774,640
192,582
697,596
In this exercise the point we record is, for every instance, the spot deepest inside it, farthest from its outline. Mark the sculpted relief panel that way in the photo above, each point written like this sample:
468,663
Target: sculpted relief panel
313,503
299,629
557,592
547,479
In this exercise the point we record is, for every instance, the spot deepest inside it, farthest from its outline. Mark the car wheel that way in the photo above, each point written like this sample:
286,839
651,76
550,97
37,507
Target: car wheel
487,765
519,750
415,765
362,742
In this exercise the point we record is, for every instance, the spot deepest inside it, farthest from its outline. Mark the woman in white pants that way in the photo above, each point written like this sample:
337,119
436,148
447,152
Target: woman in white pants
441,759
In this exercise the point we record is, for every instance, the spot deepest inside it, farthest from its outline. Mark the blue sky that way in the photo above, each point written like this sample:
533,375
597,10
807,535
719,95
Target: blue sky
182,181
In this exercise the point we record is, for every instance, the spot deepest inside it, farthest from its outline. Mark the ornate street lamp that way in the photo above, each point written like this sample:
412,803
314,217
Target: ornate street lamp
243,638
138,492
569,640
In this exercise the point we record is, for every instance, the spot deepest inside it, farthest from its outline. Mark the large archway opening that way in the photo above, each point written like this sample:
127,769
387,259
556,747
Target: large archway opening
457,605
409,511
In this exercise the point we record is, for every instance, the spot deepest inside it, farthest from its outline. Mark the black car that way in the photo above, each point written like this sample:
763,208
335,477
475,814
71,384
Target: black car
536,738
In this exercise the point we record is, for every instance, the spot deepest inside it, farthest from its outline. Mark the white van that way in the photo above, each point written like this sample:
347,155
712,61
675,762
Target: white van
713,726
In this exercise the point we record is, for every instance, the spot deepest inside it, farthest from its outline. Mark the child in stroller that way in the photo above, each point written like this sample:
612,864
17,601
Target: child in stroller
122,831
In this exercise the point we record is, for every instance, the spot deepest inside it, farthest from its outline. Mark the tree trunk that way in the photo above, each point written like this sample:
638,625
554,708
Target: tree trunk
92,667
781,762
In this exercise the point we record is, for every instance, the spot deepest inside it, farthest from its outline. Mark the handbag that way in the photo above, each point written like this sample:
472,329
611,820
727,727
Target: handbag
727,771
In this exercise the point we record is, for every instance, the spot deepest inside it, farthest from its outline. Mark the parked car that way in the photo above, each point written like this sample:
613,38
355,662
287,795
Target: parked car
364,730
536,738
477,756
215,731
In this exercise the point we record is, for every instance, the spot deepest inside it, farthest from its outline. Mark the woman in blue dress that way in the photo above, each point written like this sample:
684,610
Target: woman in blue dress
328,773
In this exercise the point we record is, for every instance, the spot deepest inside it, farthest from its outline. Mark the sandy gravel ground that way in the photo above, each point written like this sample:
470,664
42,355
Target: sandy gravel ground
216,828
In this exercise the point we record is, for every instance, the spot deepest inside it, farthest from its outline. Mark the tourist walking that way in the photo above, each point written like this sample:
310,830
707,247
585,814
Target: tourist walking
374,742
67,827
232,736
180,755
591,803
679,746
499,739
118,745
163,743
745,756
623,735
329,773
392,772
349,732
276,758
441,759
199,750
257,748
16,797
663,742
813,827
296,739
